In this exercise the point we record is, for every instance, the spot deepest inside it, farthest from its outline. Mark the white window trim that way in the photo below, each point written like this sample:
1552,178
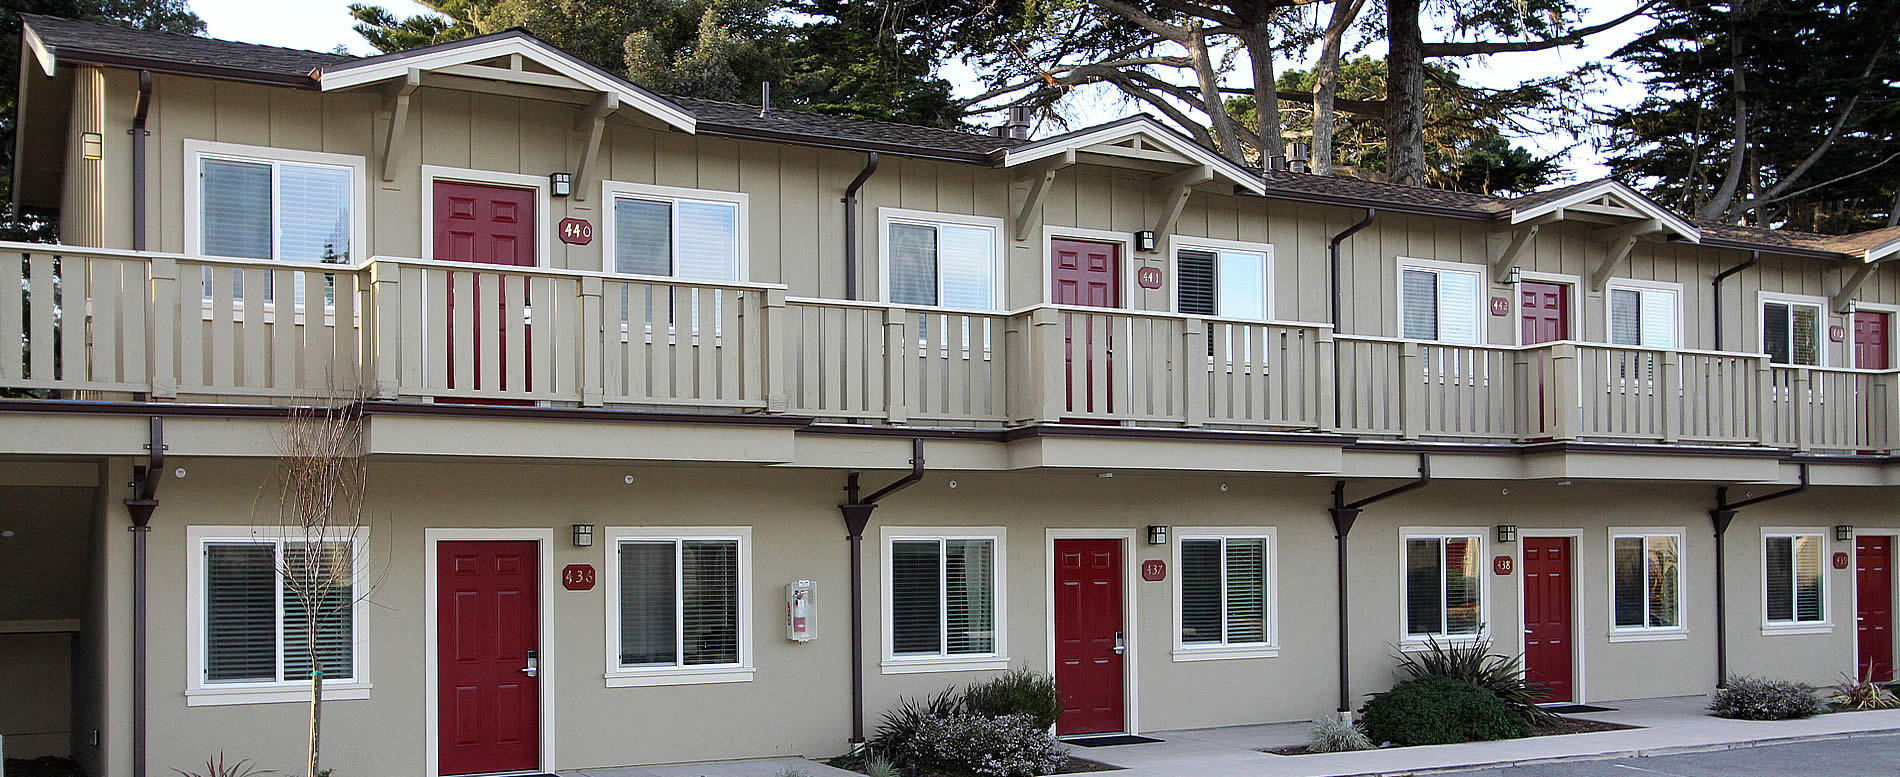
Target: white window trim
613,190
1177,243
1184,651
1415,642
198,150
998,247
999,657
1646,633
1824,321
543,204
1638,286
198,693
1788,628
1479,313
618,676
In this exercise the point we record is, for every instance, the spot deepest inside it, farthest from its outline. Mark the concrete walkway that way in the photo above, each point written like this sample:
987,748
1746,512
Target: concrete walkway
1671,725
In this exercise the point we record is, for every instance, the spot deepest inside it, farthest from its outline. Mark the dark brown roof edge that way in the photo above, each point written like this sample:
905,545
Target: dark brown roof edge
172,67
1156,433
705,127
415,409
1530,448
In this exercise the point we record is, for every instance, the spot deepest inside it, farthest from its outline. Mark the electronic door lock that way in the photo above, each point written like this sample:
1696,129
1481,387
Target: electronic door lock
533,669
1119,647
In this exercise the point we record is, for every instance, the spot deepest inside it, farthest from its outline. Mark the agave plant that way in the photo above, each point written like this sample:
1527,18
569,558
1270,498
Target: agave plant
894,735
1862,694
217,767
1473,662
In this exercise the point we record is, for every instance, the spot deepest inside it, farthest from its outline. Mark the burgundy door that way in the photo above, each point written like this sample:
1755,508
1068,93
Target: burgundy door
485,225
1088,624
1873,616
487,637
1547,633
1544,311
1870,340
1087,274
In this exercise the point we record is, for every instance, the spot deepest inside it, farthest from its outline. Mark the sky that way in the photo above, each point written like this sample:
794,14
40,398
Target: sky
322,25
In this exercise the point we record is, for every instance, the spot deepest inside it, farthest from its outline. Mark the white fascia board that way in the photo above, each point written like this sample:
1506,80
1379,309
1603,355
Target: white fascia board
1635,199
39,49
1149,131
382,69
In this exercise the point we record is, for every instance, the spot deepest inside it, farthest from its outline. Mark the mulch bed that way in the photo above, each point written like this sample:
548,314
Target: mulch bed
1072,766
47,766
1561,727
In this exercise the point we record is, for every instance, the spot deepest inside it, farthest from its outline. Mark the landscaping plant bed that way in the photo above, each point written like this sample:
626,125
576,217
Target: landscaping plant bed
1072,766
1561,727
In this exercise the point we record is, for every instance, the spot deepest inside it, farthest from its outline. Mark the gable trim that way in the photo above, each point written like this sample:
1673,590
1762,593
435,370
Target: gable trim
1670,222
1149,130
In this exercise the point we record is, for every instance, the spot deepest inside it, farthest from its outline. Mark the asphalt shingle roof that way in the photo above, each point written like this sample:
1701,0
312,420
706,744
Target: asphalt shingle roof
66,36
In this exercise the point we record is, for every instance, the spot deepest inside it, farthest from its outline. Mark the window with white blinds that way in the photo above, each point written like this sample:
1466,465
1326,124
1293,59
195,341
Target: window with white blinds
1647,584
266,208
1791,332
1229,283
941,263
1225,591
1440,304
1644,317
1443,586
273,610
941,595
678,602
676,237
1794,581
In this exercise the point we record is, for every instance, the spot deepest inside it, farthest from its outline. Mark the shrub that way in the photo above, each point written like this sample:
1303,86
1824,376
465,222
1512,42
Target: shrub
894,736
1437,711
878,766
1006,746
1862,694
1475,663
1017,692
1332,735
1753,698
218,767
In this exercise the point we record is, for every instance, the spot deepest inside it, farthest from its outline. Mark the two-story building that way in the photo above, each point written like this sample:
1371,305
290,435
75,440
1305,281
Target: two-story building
1209,444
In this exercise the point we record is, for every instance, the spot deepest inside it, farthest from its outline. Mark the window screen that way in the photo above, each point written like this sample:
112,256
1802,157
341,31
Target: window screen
1201,616
1421,304
648,609
1443,586
709,594
943,597
952,265
1647,582
240,612
315,213
1194,281
643,237
329,605
679,602
236,198
913,264
1791,333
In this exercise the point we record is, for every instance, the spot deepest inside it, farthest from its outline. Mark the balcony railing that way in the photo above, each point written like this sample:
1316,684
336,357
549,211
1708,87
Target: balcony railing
94,322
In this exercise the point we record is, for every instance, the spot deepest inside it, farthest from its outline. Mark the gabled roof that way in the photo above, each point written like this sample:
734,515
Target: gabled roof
54,40
466,55
1152,132
1606,191
793,125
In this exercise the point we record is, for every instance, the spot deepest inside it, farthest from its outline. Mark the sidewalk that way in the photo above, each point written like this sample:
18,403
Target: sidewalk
1670,725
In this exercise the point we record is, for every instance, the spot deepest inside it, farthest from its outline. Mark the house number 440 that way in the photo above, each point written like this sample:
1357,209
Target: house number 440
578,232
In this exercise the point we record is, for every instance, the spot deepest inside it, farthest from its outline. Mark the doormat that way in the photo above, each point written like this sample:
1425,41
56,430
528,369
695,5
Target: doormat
1122,739
1572,709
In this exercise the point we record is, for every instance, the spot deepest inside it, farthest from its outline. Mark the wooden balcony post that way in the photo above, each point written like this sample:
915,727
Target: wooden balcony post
775,350
1326,410
1193,359
165,318
1048,365
1767,426
896,382
1413,384
593,388
382,332
1888,386
1561,392
1669,412
1801,410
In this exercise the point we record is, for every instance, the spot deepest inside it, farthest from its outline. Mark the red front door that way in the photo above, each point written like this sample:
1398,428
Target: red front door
487,638
486,225
1088,624
1544,311
1547,633
1089,275
1873,596
1870,340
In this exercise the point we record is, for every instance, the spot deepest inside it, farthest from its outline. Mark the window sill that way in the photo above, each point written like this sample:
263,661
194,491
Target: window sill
1226,653
921,665
216,697
1421,646
641,679
1649,636
1797,629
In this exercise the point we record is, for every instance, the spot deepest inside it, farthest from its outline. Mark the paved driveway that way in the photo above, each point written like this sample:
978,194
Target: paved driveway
1874,756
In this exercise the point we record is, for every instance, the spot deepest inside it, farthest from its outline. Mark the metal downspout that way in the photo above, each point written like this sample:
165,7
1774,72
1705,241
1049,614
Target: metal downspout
1722,516
851,226
139,134
1753,258
1332,254
857,516
1344,514
143,503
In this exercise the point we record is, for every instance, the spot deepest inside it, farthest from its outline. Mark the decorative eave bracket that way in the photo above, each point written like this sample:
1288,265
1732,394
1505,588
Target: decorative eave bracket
1843,300
1040,177
592,121
1174,190
1506,246
396,104
1621,240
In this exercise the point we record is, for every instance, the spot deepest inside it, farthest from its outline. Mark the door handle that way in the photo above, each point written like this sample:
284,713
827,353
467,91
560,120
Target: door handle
533,669
1118,644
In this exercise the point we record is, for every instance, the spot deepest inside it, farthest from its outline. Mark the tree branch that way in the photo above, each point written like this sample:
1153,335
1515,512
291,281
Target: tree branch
1474,48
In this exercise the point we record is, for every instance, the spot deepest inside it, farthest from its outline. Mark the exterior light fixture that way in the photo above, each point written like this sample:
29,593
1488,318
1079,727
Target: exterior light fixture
1145,240
583,535
1513,277
1157,535
1507,533
1844,533
92,145
560,184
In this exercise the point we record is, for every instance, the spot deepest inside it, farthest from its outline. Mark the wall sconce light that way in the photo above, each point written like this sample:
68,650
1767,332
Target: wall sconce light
1844,533
92,145
1145,240
1157,535
583,535
561,184
1514,276
1507,533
